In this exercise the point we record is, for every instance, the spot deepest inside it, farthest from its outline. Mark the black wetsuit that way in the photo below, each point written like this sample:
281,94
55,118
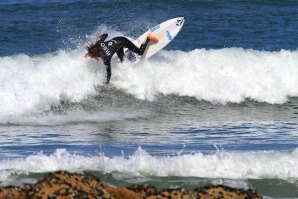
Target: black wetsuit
116,45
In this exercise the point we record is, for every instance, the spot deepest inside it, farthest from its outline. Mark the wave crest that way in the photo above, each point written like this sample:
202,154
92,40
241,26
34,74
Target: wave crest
231,165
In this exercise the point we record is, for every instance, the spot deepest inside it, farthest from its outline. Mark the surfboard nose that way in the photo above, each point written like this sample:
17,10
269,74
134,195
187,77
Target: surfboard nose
180,21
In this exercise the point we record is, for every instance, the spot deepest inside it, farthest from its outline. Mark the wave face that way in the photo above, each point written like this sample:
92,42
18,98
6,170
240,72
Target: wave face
230,165
31,84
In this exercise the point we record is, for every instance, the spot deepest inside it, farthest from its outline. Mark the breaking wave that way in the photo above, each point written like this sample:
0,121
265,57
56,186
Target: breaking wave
32,84
230,165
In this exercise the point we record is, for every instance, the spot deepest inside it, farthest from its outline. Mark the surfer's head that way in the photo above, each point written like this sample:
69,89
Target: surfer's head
93,51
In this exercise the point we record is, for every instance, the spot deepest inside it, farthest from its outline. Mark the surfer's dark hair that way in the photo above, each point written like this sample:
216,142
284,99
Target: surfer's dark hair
93,51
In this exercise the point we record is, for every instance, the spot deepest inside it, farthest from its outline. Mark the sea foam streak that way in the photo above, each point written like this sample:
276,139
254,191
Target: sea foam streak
233,165
33,84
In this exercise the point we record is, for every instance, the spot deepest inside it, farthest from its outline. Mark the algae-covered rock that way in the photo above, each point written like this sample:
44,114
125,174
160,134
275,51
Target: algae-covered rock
65,185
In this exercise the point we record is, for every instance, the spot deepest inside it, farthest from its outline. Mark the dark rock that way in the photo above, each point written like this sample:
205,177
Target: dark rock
65,185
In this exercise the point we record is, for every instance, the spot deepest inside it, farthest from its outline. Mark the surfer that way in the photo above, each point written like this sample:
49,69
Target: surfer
106,49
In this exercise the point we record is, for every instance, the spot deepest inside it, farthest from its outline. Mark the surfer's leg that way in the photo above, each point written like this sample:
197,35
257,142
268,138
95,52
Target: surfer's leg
141,50
143,46
128,44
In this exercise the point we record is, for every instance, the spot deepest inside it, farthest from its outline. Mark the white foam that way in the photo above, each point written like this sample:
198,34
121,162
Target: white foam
219,76
32,84
231,165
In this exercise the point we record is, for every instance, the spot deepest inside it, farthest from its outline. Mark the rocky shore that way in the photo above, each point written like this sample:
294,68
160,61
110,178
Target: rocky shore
65,185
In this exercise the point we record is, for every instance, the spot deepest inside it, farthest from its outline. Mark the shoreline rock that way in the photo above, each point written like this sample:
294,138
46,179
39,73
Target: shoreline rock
65,185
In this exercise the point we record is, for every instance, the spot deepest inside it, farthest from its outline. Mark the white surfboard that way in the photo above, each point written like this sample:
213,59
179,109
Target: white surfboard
165,32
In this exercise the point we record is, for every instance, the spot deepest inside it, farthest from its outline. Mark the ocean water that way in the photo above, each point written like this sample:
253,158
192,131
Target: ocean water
218,105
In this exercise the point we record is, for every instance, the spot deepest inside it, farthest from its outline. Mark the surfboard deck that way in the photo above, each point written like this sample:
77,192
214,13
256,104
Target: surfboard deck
165,32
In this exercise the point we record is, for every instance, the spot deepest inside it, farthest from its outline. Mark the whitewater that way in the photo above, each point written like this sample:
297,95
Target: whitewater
31,84
221,164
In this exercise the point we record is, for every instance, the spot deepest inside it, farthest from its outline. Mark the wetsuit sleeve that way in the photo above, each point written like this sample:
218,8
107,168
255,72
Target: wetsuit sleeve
109,71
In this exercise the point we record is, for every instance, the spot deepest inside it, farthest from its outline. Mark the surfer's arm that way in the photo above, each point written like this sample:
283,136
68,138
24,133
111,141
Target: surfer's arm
120,54
108,69
102,37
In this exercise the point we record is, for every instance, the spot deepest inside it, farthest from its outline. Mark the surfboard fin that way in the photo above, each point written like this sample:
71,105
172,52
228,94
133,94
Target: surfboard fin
152,38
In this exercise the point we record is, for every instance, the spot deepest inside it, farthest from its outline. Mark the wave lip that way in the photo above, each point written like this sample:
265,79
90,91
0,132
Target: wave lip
230,165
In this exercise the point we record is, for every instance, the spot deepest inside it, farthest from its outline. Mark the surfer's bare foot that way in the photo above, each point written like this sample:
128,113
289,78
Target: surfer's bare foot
152,38
106,85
